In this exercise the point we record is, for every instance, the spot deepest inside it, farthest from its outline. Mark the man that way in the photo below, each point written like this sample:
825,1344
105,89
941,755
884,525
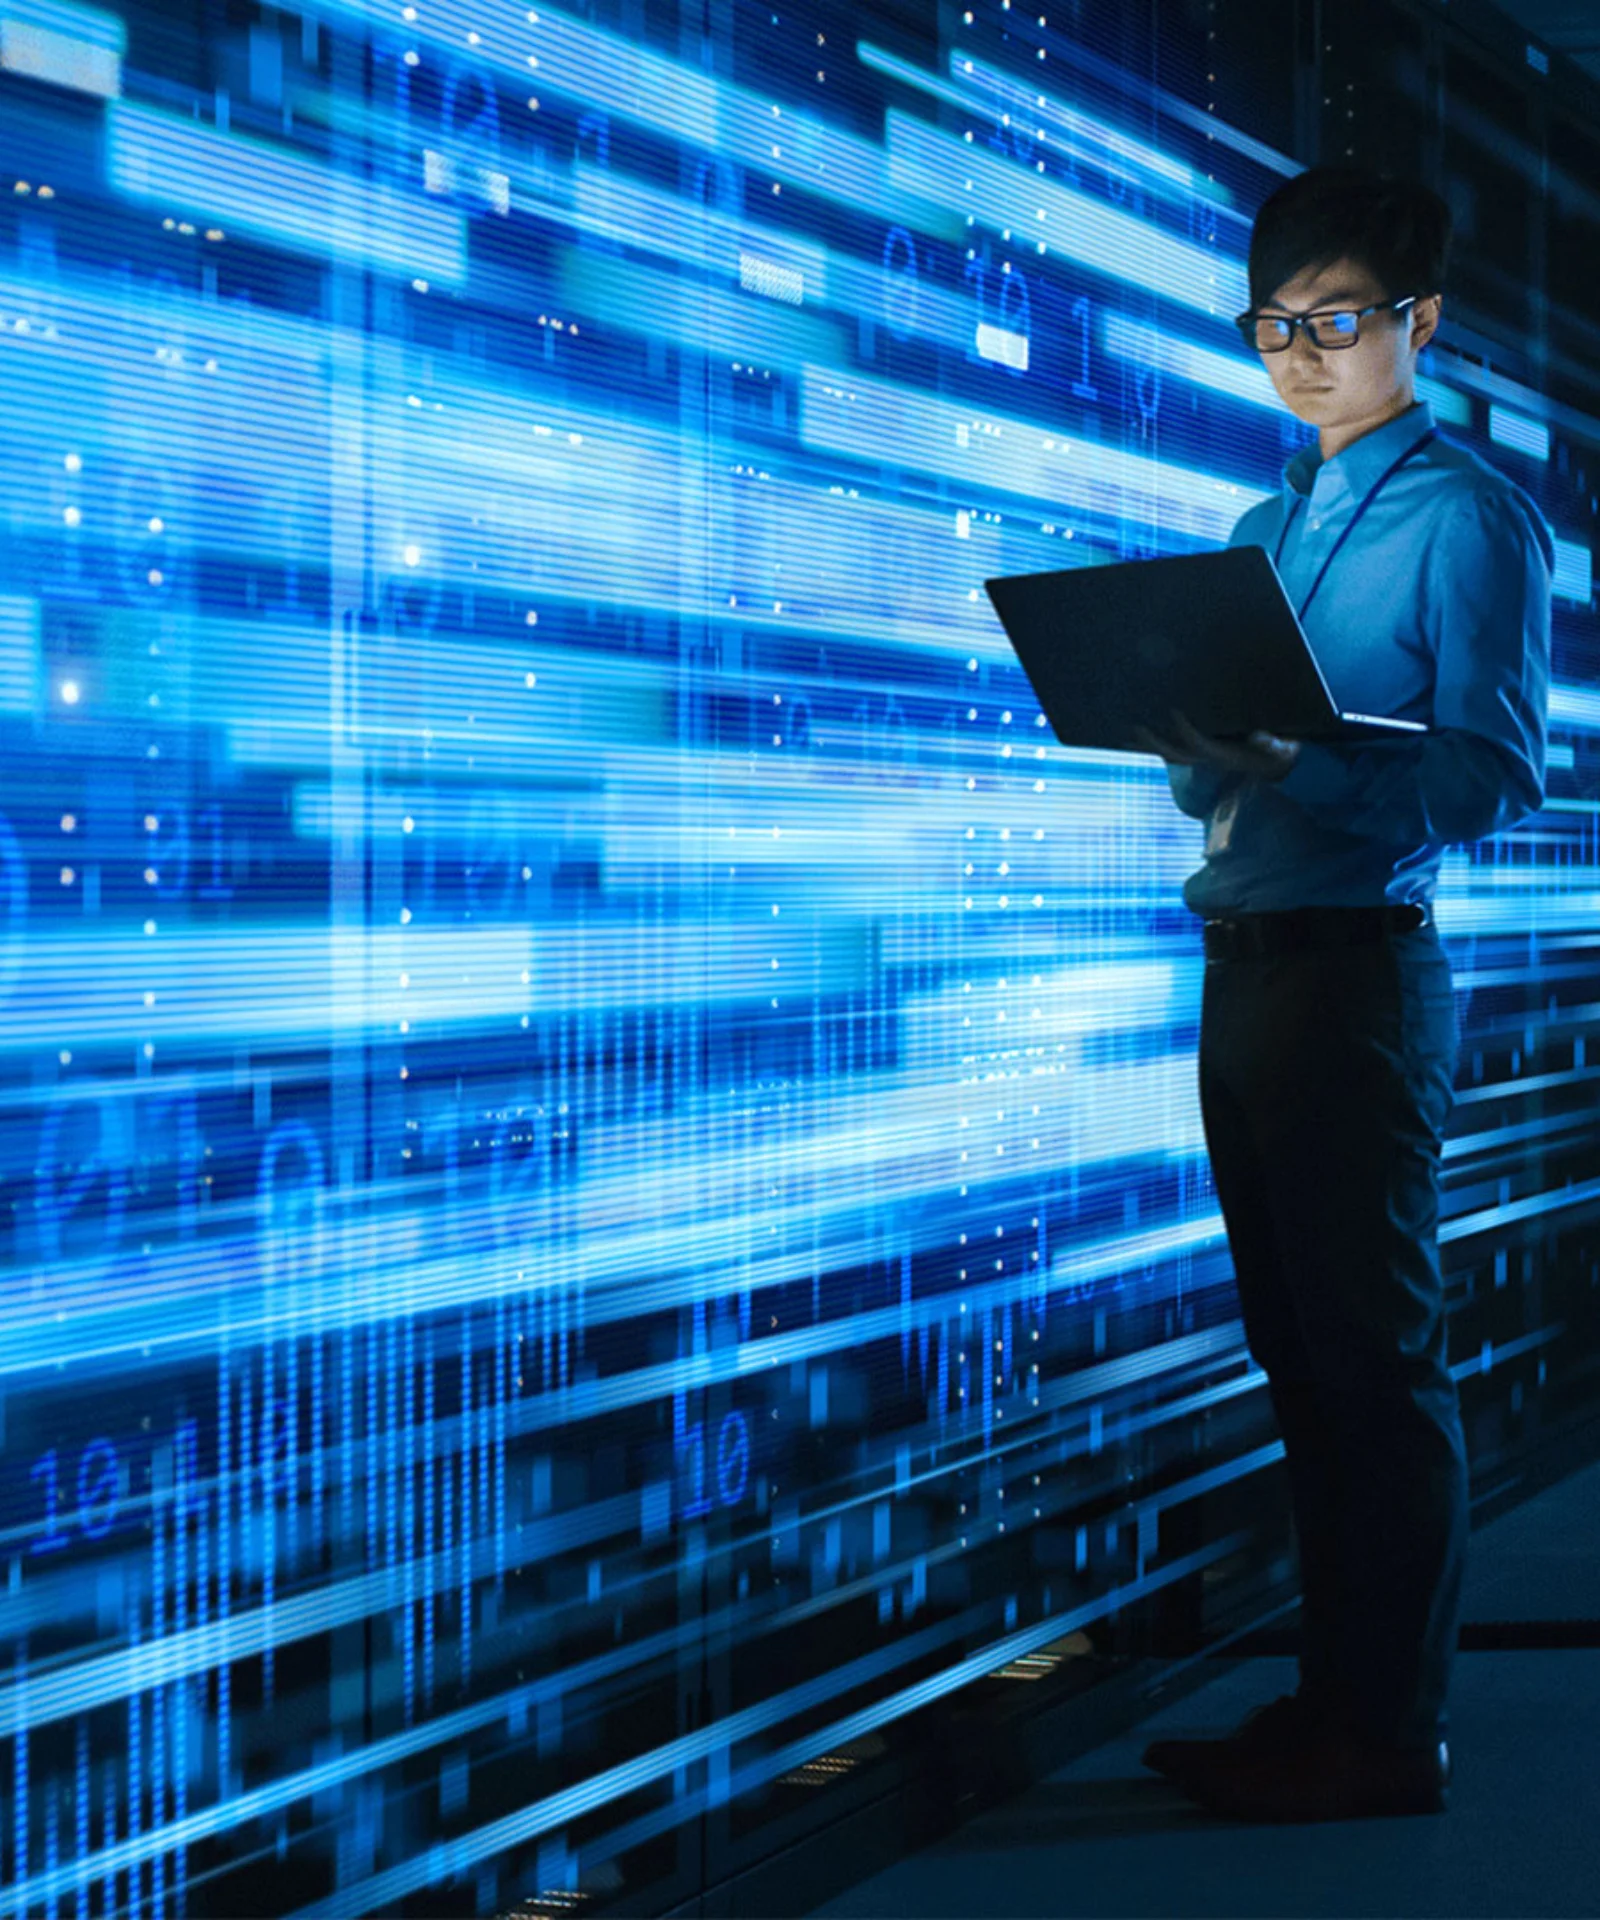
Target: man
1328,1038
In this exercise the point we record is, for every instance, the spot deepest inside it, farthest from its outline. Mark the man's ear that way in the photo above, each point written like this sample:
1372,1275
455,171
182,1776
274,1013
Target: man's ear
1425,320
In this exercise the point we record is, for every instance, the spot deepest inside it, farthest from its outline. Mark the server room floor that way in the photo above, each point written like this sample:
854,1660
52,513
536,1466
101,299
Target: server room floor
1104,1836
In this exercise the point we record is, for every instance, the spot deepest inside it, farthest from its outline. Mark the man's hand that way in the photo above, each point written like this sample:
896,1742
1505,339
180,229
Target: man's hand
1261,756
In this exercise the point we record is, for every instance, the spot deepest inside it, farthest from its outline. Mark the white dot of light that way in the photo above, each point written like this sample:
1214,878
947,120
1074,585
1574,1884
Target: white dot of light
70,692
413,555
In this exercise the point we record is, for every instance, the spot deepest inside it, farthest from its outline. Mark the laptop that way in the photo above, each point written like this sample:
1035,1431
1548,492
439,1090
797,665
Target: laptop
1108,649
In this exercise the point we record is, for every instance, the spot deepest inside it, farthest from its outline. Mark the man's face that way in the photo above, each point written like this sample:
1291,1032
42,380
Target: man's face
1342,387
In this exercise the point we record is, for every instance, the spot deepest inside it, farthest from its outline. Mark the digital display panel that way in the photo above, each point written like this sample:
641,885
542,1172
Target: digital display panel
604,1188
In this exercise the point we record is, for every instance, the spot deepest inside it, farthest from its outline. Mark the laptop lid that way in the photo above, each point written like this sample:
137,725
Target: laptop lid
1110,648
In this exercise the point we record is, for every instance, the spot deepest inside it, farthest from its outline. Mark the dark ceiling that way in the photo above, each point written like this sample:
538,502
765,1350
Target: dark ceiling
1571,27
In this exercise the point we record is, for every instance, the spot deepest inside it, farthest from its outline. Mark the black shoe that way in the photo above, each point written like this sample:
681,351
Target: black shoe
1337,1777
1281,1727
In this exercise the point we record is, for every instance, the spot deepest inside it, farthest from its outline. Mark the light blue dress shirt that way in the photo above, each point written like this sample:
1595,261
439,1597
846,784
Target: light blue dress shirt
1436,609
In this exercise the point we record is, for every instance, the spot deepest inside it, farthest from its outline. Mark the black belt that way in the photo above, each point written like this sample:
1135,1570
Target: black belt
1251,936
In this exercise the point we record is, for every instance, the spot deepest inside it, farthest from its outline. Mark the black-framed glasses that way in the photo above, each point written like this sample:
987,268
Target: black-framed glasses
1324,326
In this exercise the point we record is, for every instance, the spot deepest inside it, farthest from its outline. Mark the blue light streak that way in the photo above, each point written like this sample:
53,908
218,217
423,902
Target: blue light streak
161,160
1574,574
1515,430
1043,216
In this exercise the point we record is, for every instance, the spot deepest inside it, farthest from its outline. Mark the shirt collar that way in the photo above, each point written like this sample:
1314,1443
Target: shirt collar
1363,460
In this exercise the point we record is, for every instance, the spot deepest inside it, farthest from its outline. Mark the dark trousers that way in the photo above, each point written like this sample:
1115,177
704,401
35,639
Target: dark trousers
1325,1083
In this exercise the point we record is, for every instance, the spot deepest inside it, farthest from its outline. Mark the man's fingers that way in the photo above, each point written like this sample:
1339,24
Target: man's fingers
1262,755
1150,742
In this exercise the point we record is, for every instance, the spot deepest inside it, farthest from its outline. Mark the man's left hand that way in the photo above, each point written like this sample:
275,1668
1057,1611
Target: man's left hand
1261,756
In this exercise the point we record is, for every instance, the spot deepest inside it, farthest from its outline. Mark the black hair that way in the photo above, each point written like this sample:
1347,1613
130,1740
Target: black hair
1400,230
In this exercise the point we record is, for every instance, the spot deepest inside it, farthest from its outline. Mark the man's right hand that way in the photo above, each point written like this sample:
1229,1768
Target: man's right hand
1261,756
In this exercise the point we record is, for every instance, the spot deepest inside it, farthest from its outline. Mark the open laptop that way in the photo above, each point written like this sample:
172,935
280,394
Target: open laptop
1108,649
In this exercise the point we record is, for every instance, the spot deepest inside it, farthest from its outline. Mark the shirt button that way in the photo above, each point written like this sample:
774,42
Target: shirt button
1315,525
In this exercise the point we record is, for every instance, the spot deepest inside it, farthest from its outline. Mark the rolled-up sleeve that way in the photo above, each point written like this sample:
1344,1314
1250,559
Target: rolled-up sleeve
1481,768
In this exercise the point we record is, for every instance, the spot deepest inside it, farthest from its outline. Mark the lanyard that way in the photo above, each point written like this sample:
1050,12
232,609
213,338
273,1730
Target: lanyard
1372,493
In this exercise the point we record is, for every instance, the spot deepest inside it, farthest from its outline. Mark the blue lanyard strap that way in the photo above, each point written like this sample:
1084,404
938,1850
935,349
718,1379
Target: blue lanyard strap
1372,493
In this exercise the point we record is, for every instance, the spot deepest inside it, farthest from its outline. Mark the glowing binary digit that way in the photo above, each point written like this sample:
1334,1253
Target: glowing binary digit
1016,318
695,1503
1146,381
975,272
472,151
216,886
46,1470
166,851
100,1160
733,1458
1083,313
900,284
593,133
99,1488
